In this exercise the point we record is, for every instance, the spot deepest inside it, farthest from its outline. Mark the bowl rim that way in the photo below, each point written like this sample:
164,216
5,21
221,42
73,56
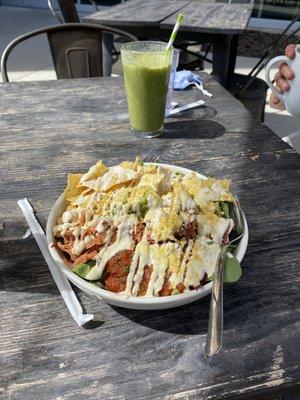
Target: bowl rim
107,295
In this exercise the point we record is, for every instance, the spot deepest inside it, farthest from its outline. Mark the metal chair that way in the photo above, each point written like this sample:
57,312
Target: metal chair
68,12
76,49
67,9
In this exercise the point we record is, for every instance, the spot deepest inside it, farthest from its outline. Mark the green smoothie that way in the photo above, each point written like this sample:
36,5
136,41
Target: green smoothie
146,81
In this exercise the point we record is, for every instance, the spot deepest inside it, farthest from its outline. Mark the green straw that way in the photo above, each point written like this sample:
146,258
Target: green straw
179,20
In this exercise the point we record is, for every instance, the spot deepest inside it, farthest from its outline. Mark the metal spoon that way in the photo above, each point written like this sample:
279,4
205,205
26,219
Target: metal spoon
215,323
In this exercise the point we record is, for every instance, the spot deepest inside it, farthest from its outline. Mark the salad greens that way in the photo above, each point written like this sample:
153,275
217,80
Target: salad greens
224,206
144,206
232,270
83,269
232,267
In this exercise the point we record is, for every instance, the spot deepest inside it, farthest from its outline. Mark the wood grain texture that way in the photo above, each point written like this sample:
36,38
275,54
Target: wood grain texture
51,128
212,18
137,12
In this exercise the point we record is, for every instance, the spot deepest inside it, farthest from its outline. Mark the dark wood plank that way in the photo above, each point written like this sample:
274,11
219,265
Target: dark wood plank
212,18
137,13
51,128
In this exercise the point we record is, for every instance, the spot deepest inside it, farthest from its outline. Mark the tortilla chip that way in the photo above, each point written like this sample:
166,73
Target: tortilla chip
94,172
72,199
119,186
128,165
152,180
192,183
87,191
114,176
73,188
135,165
150,169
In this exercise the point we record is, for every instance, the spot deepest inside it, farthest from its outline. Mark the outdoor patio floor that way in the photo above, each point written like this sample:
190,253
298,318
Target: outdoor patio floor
32,60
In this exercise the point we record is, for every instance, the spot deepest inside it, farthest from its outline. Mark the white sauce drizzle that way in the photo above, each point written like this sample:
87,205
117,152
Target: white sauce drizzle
124,241
203,261
220,229
143,261
134,265
69,216
153,256
91,172
184,201
62,228
79,245
102,224
185,259
162,267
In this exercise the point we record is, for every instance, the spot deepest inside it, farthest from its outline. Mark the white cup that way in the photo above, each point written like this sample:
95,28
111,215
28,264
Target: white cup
291,98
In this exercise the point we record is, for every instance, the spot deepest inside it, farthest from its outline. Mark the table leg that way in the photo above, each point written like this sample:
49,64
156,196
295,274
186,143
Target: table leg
224,57
107,47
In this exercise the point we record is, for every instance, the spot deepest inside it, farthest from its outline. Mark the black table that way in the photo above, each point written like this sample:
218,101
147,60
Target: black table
207,22
51,128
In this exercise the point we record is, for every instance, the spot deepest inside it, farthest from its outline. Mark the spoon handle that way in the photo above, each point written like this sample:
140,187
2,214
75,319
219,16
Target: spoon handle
215,323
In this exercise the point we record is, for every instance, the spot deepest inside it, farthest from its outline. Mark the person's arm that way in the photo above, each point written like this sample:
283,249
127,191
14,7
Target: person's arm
284,74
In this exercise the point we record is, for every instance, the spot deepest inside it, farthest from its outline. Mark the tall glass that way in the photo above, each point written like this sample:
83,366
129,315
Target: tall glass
146,67
174,65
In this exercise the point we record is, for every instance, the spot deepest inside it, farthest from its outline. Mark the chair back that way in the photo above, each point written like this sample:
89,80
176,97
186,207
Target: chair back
68,11
76,53
76,49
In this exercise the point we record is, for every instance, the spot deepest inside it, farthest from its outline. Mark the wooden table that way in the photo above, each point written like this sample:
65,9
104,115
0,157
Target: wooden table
207,22
51,128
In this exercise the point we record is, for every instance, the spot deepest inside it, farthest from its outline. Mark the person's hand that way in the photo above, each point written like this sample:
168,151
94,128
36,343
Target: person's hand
284,74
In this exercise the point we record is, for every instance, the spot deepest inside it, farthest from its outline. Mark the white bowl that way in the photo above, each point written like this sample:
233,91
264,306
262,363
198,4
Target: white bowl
139,303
